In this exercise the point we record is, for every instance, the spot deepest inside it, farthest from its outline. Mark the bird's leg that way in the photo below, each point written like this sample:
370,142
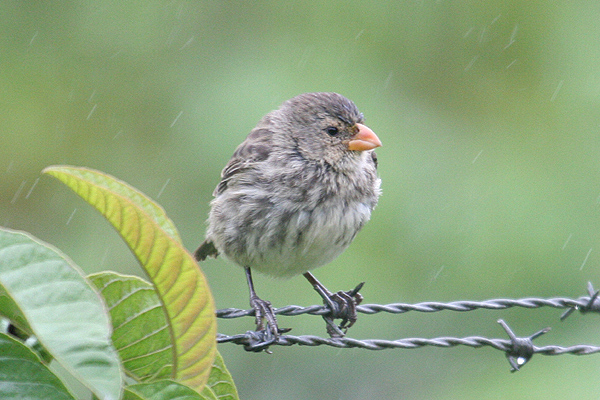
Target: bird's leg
263,311
342,305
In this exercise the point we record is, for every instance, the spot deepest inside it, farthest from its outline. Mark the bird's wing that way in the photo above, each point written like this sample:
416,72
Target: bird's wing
254,149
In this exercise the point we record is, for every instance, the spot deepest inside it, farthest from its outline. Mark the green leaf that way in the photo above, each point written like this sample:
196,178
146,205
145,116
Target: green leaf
60,308
221,382
180,284
139,333
165,390
24,376
129,395
208,394
140,329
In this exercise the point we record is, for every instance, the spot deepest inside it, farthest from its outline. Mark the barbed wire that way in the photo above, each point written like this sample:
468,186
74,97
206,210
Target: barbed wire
518,350
431,306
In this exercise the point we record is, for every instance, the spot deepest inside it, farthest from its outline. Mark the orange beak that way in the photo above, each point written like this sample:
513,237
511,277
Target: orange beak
365,139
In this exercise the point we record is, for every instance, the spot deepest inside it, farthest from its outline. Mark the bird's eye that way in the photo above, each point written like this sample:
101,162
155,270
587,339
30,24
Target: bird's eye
332,131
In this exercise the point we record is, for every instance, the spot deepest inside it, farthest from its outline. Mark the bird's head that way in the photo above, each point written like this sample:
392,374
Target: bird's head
325,127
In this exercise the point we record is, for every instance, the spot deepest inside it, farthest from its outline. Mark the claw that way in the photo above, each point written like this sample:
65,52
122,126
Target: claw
259,341
345,309
263,311
342,305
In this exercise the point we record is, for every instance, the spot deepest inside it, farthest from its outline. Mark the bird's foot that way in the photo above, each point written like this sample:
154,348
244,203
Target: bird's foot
341,305
264,336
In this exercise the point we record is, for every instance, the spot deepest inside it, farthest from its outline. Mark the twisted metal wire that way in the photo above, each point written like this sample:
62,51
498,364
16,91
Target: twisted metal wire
431,306
504,345
518,350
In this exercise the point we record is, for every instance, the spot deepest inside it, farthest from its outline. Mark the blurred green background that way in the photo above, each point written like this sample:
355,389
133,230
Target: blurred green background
489,116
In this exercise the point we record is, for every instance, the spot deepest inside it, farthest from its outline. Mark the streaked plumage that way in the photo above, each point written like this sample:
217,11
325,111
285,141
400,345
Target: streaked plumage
298,189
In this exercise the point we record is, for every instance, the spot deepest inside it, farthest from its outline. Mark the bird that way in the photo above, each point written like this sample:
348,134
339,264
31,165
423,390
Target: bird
292,198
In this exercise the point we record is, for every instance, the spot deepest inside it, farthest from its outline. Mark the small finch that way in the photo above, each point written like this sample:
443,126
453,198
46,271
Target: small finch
293,197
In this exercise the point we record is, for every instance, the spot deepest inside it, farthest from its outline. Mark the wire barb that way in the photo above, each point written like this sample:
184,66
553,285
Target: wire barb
522,349
591,303
518,350
504,345
582,304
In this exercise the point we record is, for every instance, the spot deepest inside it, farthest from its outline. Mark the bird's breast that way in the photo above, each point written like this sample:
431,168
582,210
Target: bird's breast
290,223
295,242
